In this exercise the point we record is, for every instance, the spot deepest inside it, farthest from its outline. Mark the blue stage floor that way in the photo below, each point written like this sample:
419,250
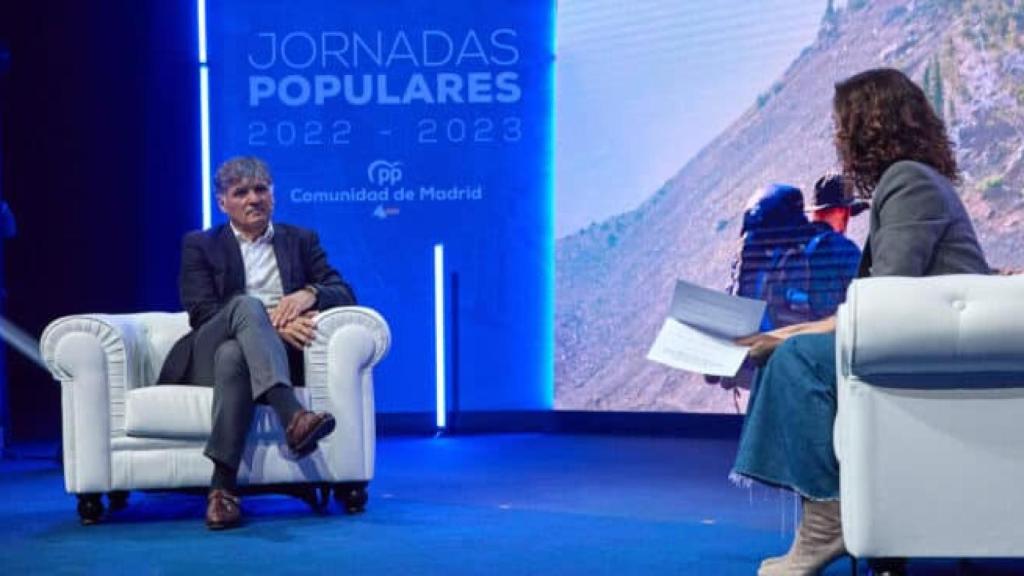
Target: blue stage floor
487,505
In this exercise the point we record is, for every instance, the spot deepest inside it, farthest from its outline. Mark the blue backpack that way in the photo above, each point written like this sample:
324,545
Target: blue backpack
807,281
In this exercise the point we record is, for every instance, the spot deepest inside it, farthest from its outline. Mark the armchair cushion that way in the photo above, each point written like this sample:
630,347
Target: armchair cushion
181,411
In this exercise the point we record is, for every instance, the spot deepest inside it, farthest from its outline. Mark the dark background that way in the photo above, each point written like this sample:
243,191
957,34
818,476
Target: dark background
100,152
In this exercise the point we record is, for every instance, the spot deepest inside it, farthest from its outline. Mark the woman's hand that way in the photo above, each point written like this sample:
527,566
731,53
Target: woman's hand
761,346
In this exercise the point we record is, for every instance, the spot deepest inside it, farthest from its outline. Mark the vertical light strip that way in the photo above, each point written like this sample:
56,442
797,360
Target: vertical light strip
204,113
201,19
547,376
439,344
204,134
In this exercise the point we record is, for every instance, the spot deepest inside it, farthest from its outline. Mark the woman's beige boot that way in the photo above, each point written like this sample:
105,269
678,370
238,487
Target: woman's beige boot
819,541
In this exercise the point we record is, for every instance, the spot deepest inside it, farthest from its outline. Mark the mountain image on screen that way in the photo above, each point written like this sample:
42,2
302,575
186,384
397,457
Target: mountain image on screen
614,277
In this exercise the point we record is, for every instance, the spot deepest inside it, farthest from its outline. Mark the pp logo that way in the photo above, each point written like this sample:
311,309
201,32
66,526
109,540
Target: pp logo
384,173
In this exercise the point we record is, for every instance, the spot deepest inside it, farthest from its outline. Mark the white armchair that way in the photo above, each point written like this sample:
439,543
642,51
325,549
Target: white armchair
930,428
122,432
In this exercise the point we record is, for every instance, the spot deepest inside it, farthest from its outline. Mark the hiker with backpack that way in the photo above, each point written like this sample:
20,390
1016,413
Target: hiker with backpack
800,267
830,257
775,232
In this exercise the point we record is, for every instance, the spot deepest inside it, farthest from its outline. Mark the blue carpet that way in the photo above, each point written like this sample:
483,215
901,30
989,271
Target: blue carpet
489,505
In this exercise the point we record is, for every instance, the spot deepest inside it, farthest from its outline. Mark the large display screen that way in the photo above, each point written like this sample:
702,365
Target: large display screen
679,123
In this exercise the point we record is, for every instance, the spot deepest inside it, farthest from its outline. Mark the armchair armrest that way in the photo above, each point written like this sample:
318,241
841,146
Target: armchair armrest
960,331
97,358
350,341
343,320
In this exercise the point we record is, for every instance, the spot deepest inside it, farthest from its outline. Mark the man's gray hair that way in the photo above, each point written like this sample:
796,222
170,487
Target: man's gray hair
241,168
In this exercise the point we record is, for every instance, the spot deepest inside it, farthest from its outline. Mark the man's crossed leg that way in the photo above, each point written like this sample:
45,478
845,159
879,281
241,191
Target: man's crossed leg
240,354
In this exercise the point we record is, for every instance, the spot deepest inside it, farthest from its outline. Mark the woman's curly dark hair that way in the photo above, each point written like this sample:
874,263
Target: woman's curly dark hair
882,117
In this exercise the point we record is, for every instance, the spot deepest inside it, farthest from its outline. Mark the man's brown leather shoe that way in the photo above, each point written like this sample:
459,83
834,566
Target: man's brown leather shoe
306,428
223,510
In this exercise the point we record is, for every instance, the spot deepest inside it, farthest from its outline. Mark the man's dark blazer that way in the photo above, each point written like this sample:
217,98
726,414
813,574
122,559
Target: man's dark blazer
212,272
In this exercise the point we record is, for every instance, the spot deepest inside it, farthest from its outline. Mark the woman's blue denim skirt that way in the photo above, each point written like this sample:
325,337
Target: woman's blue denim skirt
787,433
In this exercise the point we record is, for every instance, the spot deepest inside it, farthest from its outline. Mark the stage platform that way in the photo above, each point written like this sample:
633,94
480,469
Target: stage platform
492,505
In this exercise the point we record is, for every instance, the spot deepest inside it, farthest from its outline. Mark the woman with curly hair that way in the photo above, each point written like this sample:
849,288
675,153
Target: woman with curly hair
894,149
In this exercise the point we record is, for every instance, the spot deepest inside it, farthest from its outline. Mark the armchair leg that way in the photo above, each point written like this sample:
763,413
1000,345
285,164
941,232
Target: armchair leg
313,496
352,495
323,497
887,566
310,493
90,508
118,500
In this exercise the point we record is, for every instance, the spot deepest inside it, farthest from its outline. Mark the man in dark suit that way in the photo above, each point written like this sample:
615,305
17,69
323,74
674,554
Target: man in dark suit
251,289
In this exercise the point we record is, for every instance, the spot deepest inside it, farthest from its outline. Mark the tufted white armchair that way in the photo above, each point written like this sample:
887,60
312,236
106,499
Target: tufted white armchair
930,428
123,432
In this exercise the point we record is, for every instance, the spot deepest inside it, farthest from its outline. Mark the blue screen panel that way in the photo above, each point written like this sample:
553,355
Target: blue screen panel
390,127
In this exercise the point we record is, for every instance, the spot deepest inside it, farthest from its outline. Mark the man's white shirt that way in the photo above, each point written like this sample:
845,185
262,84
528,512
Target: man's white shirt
262,277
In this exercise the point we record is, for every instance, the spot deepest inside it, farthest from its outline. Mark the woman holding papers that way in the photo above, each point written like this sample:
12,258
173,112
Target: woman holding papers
894,149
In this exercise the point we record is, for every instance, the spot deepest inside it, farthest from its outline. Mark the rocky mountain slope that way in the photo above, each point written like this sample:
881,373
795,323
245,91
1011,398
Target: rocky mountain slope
614,279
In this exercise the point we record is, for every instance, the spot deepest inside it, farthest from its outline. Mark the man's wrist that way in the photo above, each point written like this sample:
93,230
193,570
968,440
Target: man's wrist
312,289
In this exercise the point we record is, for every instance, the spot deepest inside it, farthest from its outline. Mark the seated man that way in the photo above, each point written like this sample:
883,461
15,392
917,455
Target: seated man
251,289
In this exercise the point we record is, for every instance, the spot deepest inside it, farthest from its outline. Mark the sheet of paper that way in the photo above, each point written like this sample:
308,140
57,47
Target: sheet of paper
717,312
685,348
